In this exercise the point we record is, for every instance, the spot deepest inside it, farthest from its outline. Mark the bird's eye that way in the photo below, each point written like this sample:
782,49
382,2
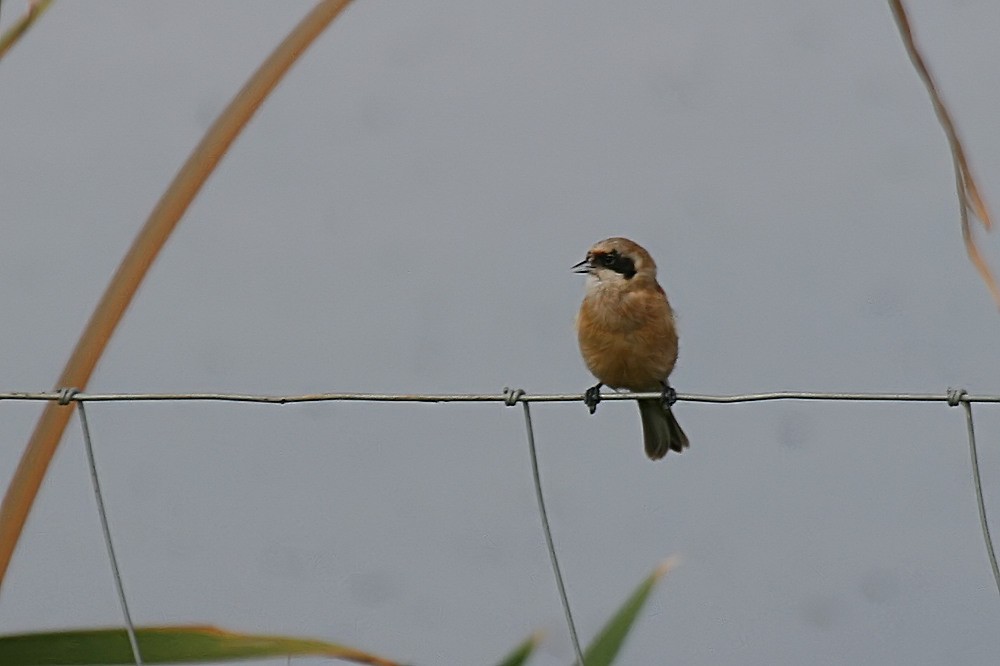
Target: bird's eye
609,259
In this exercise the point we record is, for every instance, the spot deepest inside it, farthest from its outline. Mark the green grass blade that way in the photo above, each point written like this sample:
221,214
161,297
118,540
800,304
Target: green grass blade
521,653
165,645
604,648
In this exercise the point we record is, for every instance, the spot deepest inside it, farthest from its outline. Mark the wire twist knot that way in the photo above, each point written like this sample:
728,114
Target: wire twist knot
66,395
955,396
511,396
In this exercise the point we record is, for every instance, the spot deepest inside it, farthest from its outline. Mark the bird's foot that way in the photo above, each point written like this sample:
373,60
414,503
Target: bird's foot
669,396
592,396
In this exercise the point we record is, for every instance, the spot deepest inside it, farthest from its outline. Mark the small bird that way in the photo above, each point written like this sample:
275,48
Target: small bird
627,336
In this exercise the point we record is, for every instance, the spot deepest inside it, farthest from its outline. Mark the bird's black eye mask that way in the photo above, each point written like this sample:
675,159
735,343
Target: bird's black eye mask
615,261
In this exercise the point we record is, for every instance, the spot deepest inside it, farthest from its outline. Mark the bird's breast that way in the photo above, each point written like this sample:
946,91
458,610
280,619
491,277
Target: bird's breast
627,340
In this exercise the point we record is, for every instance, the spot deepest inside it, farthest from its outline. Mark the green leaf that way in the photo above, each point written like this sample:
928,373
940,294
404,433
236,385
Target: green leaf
165,645
522,652
604,648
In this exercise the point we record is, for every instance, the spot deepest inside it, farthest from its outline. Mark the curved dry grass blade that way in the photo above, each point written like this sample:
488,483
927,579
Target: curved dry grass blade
167,645
971,249
969,197
16,31
42,446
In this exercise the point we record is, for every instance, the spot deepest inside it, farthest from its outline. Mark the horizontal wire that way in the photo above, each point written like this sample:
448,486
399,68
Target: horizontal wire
490,397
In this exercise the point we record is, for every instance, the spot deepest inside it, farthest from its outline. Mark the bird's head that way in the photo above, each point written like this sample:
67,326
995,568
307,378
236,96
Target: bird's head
616,261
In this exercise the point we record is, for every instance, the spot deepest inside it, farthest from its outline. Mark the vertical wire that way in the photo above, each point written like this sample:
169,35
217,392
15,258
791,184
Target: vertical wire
548,535
129,627
979,493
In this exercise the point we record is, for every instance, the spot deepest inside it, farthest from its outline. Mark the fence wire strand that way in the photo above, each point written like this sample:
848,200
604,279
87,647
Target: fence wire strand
953,397
115,572
977,482
548,531
489,397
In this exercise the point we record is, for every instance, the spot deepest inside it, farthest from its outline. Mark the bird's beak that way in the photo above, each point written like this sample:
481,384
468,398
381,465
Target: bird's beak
583,267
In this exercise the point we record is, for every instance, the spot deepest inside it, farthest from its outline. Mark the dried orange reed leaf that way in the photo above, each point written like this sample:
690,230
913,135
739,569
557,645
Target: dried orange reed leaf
35,9
48,431
968,192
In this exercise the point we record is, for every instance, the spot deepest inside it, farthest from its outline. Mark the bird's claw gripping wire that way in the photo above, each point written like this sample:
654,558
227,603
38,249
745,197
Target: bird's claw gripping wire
669,396
592,396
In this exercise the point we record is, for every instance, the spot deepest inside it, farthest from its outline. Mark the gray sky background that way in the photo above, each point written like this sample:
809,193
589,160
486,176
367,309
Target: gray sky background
401,216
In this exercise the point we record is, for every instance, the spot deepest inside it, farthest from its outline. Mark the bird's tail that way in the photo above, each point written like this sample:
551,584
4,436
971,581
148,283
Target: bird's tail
660,429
